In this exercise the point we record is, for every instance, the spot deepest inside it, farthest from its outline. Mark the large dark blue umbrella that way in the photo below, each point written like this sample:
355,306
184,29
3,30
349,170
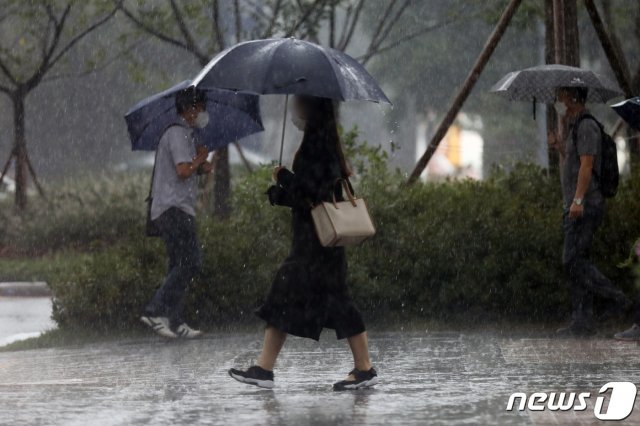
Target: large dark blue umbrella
288,66
232,117
629,110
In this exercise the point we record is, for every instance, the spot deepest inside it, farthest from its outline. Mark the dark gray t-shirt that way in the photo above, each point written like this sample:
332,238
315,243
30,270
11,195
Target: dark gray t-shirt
176,146
588,142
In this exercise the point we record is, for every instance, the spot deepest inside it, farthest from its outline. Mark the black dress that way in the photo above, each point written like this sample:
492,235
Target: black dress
310,291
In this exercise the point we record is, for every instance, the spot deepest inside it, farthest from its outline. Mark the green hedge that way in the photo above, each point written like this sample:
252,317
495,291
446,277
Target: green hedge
476,251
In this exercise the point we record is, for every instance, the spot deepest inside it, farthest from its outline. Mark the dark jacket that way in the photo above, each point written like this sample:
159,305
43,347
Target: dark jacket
310,291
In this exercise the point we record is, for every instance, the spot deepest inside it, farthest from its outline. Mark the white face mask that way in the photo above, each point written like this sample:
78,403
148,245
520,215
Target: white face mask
560,108
202,120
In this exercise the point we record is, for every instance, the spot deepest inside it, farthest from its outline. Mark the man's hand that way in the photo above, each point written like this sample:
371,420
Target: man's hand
576,211
206,168
552,140
201,156
200,149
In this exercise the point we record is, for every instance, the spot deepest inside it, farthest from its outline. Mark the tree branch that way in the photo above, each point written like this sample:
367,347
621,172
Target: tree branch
304,17
238,20
152,31
390,25
369,55
347,35
48,64
385,26
96,68
7,72
274,18
216,25
188,38
312,24
332,26
5,89
384,17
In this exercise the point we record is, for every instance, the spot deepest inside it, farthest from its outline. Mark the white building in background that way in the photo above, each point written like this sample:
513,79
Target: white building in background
459,155
623,154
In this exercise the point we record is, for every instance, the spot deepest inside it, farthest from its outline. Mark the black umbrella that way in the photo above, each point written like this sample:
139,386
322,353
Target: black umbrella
233,116
539,84
289,66
629,110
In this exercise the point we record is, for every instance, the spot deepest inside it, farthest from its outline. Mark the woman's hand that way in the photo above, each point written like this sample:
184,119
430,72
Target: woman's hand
276,170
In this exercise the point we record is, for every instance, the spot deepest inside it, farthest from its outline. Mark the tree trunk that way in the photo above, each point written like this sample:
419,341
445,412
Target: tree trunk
20,150
222,184
571,33
550,58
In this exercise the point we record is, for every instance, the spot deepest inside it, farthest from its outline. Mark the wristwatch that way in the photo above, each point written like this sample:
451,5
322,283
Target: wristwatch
578,201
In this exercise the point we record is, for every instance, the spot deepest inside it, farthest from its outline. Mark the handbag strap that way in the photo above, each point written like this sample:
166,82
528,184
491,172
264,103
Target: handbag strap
346,185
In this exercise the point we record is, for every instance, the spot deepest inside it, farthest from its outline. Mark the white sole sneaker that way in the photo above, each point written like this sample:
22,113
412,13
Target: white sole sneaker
362,385
266,384
185,332
160,325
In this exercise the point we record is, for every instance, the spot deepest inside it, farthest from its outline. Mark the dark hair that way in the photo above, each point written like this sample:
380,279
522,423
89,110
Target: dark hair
577,93
321,117
190,97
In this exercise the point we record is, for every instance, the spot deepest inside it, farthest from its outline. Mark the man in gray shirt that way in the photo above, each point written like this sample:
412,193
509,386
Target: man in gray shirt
174,191
584,205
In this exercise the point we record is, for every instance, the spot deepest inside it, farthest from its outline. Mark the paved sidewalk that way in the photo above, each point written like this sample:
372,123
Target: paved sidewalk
24,317
427,378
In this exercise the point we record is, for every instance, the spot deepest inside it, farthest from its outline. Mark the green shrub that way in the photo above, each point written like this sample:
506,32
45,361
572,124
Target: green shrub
476,251
86,214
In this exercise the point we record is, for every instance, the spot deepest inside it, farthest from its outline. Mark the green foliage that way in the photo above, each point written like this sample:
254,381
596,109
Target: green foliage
84,214
476,251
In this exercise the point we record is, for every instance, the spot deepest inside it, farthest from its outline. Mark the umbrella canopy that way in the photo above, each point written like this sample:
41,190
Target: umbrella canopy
538,84
232,117
629,110
289,66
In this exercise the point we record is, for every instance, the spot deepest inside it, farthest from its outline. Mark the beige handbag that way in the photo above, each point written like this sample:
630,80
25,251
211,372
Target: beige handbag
344,223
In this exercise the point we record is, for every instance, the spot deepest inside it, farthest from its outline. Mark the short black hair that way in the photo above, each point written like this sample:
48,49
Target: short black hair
578,93
190,97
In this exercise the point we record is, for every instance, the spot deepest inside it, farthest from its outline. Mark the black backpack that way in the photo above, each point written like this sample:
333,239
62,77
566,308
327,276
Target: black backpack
609,174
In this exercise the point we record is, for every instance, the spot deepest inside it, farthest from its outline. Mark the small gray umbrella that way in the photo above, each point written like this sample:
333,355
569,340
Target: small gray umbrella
539,84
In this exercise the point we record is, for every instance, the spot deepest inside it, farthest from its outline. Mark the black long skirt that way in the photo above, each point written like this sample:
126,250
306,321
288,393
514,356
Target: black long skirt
310,290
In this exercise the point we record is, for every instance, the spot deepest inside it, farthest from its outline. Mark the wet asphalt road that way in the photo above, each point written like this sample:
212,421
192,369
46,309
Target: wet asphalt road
426,378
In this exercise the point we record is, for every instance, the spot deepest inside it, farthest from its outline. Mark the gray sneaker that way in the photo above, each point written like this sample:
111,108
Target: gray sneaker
160,325
185,332
630,335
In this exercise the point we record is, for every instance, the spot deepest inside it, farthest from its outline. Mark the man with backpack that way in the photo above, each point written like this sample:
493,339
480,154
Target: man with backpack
589,174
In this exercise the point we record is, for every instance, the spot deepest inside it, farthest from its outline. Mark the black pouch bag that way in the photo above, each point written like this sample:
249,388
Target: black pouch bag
151,228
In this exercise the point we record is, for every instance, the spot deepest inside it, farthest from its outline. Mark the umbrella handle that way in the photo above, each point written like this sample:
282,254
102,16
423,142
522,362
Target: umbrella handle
284,124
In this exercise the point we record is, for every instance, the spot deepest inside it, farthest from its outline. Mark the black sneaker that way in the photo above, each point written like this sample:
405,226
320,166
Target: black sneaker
364,379
254,375
630,335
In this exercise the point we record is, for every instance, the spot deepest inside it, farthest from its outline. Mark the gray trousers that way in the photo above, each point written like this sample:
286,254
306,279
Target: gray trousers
585,280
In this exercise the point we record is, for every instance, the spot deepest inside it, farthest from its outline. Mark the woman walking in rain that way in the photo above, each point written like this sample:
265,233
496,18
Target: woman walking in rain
310,292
